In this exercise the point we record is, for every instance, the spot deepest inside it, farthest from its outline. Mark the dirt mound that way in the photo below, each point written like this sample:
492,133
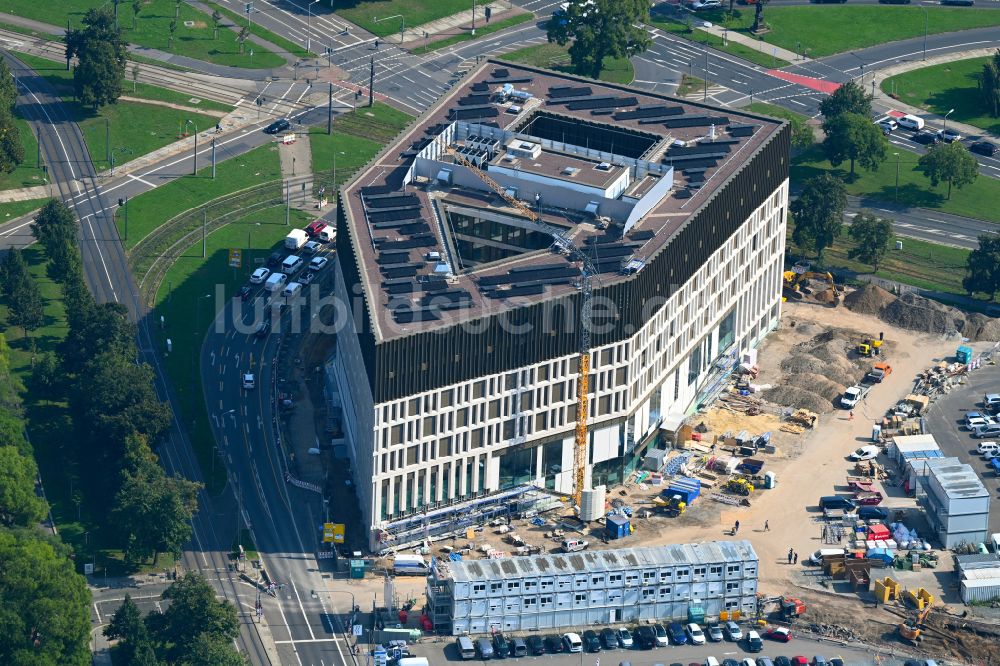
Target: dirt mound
796,397
980,327
870,300
818,384
920,314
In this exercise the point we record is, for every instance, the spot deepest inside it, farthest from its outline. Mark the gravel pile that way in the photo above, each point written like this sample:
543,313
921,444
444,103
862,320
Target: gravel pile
870,300
797,397
818,384
980,327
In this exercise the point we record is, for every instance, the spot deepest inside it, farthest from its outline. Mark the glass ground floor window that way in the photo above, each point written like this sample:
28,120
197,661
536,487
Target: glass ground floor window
517,468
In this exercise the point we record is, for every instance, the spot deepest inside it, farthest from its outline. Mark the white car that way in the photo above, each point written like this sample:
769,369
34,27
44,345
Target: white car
706,4
695,634
973,419
311,247
624,638
949,135
572,642
259,276
865,453
317,263
249,381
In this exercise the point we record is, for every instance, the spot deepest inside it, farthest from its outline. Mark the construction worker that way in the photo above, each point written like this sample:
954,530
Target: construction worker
767,528
791,551
850,417
736,528
795,560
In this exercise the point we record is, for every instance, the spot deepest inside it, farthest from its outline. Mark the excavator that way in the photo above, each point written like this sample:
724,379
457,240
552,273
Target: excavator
911,629
794,281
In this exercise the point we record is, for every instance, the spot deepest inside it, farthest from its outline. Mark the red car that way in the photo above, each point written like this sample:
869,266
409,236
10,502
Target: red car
778,634
800,661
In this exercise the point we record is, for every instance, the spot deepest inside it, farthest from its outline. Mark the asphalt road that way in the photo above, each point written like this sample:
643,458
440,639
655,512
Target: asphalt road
944,421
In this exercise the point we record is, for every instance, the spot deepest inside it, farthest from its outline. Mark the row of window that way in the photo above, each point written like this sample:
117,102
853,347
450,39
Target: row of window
629,578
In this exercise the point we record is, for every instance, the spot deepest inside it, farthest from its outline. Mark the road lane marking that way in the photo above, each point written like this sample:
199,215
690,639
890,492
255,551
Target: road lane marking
144,182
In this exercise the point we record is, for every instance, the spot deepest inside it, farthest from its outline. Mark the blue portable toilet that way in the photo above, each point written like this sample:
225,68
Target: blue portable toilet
964,354
617,527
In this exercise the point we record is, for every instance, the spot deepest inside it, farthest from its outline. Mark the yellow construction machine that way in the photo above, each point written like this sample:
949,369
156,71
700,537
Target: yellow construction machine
870,346
739,486
912,628
795,281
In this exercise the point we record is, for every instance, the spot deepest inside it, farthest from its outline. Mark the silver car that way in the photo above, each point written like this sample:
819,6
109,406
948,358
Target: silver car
714,633
733,631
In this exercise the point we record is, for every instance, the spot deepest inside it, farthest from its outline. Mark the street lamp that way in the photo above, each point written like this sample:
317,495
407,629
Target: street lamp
309,25
896,198
950,111
923,7
191,122
117,150
197,328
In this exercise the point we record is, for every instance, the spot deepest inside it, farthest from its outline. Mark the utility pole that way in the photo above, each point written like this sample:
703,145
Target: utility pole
705,97
107,140
204,234
329,111
38,141
473,18
126,217
213,159
288,202
371,84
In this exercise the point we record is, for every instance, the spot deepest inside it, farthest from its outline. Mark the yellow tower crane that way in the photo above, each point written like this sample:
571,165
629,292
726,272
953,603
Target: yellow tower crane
586,308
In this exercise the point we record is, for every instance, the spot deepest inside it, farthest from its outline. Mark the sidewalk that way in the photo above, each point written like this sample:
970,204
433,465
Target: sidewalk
451,25
750,42
881,75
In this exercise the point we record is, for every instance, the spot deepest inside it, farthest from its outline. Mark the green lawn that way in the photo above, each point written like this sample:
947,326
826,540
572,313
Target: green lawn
688,85
919,263
152,31
481,32
188,315
980,200
28,31
285,45
553,56
27,174
827,29
379,122
141,128
760,56
78,520
352,153
147,91
414,12
151,209
950,85
12,209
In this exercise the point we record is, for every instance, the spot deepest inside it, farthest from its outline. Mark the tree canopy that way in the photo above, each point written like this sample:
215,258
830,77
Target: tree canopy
600,29
11,148
19,504
193,611
989,85
982,268
819,213
848,98
853,137
873,236
951,163
101,54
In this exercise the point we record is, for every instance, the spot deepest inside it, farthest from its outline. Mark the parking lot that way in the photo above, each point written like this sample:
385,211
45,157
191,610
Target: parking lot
945,419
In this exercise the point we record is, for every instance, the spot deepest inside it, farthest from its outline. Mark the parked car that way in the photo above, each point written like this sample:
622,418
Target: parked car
973,419
949,135
608,638
591,641
730,662
714,632
695,635
279,125
624,637
572,643
518,648
661,635
799,660
873,513
983,148
501,646
754,643
764,661
553,644
536,645
782,661
991,430
259,275
676,631
645,637
706,4
925,138
308,277
869,452
819,661
780,634
733,631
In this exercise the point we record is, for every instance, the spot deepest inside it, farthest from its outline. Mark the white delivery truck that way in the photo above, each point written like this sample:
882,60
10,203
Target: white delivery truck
410,565
295,239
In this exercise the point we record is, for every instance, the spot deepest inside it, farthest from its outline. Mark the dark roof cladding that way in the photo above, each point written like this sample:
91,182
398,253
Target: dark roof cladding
402,236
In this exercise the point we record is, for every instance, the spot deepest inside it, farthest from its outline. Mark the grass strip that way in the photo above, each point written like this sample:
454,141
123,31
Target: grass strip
553,56
275,39
384,17
483,31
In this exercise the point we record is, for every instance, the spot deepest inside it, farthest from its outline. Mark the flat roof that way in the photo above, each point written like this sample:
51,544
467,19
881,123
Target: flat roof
957,479
564,166
596,561
392,236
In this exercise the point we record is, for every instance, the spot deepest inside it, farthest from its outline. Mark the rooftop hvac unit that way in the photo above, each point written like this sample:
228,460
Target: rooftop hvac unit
592,503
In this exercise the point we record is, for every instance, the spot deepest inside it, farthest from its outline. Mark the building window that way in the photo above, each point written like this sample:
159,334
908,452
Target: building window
495,587
732,587
479,587
580,597
530,602
733,568
513,585
715,569
530,585
727,332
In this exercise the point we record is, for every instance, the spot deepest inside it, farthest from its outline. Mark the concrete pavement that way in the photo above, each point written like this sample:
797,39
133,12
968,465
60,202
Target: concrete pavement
750,42
451,25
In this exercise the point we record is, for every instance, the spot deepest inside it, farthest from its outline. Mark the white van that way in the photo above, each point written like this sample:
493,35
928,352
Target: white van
291,264
817,557
987,449
466,649
327,234
711,661
574,545
292,290
913,123
276,282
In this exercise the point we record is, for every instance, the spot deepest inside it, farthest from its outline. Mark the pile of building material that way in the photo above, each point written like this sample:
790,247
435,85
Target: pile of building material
917,313
870,469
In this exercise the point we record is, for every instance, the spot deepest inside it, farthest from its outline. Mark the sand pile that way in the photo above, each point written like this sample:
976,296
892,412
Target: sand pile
796,397
869,300
980,327
817,384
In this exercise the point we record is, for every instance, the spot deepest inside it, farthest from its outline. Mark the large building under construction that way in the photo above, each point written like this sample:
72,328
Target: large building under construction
526,218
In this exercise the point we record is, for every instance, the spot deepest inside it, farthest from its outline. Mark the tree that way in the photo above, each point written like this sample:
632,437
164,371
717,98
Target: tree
55,225
173,28
208,650
127,626
819,213
242,37
600,29
989,85
951,163
873,236
99,329
8,91
45,616
47,377
848,98
26,308
136,8
135,78
216,19
853,137
11,148
982,268
193,611
101,52
13,272
19,504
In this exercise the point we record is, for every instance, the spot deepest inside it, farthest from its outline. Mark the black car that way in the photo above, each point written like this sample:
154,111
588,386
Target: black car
894,2
782,661
263,329
873,513
275,259
501,646
608,639
645,637
245,292
536,645
959,3
279,125
591,641
925,138
553,644
984,148
730,662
